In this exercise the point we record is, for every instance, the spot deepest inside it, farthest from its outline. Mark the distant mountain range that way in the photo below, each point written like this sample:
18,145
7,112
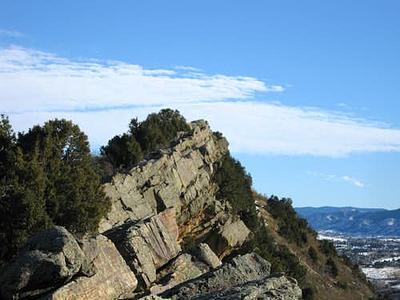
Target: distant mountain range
352,220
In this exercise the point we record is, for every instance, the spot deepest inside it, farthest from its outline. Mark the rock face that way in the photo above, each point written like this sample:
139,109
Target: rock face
204,253
178,177
48,260
185,267
164,237
246,277
148,244
242,269
270,288
112,278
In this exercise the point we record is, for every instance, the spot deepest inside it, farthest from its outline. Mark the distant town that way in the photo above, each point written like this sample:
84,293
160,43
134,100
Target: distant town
378,257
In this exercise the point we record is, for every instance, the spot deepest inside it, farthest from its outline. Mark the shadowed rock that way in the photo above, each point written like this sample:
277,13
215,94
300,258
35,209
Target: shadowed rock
49,259
113,278
149,244
241,269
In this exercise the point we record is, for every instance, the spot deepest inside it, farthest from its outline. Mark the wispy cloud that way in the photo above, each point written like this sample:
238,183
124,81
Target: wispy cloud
353,181
10,33
335,178
35,86
51,82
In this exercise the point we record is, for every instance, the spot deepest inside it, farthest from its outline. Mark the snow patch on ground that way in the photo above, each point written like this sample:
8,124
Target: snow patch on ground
382,273
330,238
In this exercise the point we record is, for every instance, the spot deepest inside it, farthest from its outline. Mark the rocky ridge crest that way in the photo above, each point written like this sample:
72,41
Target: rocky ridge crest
165,235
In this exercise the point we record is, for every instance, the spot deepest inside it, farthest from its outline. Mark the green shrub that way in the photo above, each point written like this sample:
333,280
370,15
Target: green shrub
293,228
47,177
312,253
235,187
157,131
331,267
327,247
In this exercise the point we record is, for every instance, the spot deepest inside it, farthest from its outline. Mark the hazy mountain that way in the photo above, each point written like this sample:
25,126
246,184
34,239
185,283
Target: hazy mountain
352,220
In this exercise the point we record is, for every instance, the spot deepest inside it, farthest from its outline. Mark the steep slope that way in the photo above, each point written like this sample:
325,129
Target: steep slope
323,279
168,225
184,224
354,221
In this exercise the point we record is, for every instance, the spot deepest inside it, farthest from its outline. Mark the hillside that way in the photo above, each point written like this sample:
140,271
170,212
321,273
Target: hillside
183,223
353,221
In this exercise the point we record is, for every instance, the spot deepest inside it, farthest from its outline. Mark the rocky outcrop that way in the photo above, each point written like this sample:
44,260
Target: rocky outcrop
183,268
112,278
52,258
205,254
164,237
269,288
246,277
178,177
148,244
241,269
228,236
49,259
186,266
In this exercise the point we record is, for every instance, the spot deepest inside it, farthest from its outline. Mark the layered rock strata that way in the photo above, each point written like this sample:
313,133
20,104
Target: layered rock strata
166,234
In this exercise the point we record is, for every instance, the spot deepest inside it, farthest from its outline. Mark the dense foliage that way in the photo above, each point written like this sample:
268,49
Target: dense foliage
331,267
293,228
157,131
280,257
327,247
47,177
312,253
235,186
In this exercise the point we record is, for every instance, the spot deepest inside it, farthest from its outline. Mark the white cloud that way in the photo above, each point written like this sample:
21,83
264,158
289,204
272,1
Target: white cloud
353,181
265,128
36,86
334,178
35,81
10,33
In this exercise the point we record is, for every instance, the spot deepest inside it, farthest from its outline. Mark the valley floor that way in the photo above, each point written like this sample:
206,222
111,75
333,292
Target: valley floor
378,257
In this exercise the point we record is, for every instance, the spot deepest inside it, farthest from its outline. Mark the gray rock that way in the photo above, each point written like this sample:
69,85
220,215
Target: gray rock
149,244
270,288
49,259
183,268
228,236
178,177
204,253
113,278
241,269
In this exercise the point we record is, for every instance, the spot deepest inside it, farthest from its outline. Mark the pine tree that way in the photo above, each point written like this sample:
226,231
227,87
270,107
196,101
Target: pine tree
157,131
72,187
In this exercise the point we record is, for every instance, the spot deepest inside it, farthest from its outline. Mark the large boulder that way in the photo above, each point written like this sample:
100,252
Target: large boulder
228,236
186,266
49,259
205,254
241,269
148,244
183,268
270,288
113,278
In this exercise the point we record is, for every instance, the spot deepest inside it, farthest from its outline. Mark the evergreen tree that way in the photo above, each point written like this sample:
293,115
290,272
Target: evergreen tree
72,187
22,206
235,186
47,176
157,131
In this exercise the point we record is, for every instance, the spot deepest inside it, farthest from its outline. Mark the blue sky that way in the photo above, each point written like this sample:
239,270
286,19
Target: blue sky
306,91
